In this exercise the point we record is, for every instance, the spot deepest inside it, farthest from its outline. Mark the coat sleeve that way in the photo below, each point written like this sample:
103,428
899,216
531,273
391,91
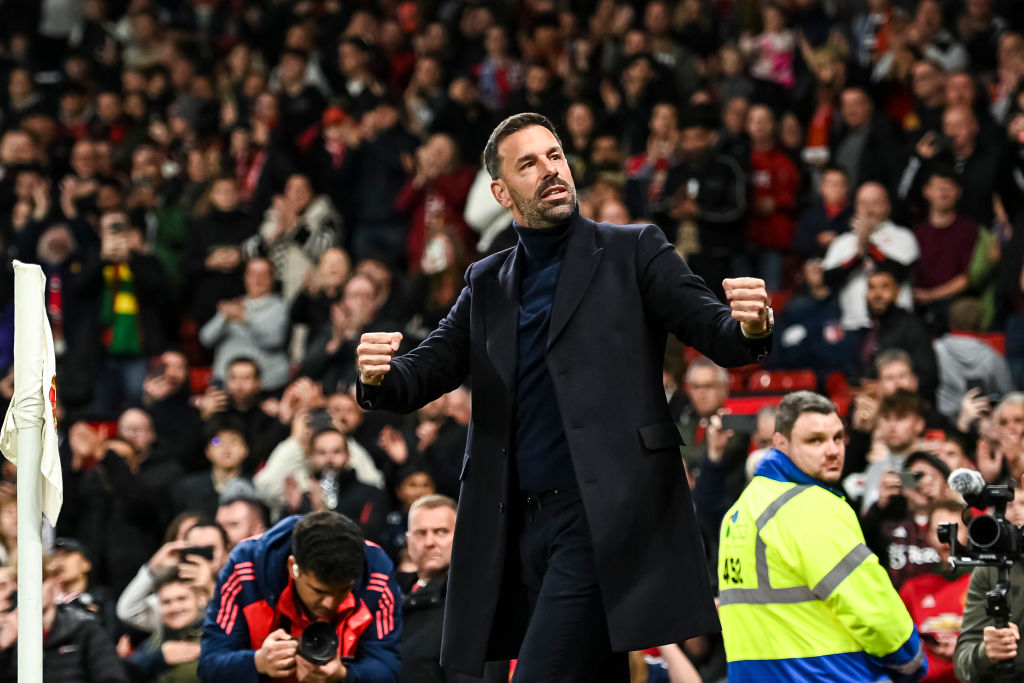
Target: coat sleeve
683,304
435,367
227,655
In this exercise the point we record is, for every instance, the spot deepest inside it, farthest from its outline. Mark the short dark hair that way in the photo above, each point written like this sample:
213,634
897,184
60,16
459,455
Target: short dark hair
205,522
246,359
327,430
796,404
167,577
513,124
966,315
901,403
330,546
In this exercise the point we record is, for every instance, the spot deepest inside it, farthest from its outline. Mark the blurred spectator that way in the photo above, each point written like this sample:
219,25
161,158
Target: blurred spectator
772,221
412,482
213,262
75,647
240,515
254,326
810,334
647,172
973,162
332,485
296,231
238,398
226,451
73,569
126,497
127,294
381,230
892,327
936,599
435,198
827,217
946,240
865,145
8,528
966,362
900,426
431,529
166,395
896,525
873,241
703,202
172,651
437,440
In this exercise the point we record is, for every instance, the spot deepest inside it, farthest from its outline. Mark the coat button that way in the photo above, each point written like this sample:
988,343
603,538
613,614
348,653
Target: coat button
501,508
504,452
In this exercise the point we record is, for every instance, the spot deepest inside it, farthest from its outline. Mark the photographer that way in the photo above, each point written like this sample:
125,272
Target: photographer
981,645
304,571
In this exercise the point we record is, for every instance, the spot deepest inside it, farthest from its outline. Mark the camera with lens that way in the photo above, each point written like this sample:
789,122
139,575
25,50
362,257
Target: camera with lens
992,541
319,643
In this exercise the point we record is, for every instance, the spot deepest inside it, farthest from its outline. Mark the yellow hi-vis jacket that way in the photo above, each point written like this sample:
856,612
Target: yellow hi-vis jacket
802,597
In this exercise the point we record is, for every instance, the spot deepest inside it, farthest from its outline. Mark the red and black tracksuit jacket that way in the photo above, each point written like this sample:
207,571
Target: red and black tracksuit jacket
255,597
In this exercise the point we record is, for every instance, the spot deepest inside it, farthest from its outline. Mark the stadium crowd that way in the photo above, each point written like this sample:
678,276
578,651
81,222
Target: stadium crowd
224,195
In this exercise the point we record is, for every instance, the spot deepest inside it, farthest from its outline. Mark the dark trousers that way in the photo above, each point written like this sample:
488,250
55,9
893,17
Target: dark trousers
567,637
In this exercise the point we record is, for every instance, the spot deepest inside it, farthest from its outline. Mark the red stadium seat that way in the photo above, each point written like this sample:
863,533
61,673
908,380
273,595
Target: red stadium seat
737,382
781,381
779,299
748,405
201,379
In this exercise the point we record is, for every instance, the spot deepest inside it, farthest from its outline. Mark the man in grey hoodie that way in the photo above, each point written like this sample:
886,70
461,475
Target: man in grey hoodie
963,357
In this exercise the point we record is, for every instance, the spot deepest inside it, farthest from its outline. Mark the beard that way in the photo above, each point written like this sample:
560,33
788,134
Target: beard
538,213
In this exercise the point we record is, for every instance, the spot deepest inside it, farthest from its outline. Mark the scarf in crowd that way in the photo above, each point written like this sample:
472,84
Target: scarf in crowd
120,311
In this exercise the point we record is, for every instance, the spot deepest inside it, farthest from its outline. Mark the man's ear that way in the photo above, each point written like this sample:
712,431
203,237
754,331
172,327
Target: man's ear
293,566
780,442
501,194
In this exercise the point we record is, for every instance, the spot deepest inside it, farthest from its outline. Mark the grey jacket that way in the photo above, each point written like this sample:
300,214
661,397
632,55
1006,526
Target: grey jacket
969,659
962,358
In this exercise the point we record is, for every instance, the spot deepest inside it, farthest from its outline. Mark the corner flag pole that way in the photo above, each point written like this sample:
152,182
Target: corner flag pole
28,405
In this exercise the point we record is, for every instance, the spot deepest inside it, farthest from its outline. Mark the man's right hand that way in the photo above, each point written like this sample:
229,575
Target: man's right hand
1001,643
276,657
374,354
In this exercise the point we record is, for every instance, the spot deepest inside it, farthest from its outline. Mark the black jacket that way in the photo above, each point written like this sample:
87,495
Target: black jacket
901,329
621,290
422,617
205,288
76,650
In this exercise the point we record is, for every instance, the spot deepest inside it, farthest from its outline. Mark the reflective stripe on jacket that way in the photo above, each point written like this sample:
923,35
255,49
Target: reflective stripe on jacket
802,597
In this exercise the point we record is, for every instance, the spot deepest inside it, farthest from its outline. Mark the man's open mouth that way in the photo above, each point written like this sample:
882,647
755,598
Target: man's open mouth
555,192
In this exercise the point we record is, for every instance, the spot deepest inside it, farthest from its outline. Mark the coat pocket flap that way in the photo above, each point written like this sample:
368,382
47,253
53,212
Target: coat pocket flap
660,436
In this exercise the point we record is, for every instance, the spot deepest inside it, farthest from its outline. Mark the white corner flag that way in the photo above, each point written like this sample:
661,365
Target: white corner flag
35,388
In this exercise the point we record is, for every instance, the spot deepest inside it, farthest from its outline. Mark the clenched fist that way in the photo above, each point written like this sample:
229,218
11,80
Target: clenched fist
749,301
373,355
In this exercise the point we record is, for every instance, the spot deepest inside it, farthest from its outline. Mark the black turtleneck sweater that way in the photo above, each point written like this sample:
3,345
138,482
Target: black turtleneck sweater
541,450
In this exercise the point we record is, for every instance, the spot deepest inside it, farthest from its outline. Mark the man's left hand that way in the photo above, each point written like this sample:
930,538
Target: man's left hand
748,299
307,672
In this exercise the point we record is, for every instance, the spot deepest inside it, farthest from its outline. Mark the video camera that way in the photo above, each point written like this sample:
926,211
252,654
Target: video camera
992,541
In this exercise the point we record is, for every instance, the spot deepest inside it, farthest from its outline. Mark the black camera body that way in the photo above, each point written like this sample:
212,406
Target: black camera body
319,643
992,541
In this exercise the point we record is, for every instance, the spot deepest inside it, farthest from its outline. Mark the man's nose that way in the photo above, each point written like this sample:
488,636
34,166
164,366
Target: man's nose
549,167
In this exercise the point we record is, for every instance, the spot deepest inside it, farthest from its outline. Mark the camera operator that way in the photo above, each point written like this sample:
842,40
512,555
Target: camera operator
981,645
304,571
